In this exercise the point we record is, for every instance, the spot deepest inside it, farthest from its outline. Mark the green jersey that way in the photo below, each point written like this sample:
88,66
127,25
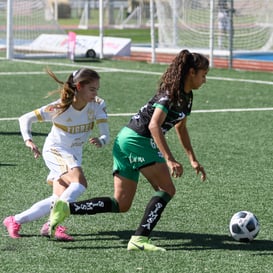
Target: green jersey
175,113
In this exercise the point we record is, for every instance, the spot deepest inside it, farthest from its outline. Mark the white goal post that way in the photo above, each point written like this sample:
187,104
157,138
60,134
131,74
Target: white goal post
25,21
186,23
192,24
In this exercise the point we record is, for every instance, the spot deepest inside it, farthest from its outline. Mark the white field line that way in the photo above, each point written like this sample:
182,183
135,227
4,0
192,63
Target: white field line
194,111
206,111
107,69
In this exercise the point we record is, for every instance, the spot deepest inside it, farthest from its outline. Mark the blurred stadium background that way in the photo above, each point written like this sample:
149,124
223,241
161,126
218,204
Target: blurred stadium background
175,24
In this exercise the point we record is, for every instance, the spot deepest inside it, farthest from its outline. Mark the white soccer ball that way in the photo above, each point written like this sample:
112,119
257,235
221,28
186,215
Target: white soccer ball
244,226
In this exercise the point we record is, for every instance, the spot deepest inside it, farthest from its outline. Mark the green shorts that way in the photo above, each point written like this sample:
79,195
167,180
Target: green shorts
131,152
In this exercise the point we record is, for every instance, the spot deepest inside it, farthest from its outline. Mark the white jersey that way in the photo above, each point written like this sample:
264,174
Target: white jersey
69,132
72,127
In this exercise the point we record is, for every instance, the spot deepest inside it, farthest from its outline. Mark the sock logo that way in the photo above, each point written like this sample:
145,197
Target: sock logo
153,215
88,206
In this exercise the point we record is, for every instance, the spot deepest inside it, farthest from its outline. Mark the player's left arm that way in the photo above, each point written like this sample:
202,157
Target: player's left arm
184,138
104,137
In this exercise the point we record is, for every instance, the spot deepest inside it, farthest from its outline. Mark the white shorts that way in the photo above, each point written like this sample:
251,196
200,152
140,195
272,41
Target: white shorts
60,160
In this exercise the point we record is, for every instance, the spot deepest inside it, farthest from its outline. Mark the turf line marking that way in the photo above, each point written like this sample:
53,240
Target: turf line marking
7,119
239,80
233,110
108,69
194,111
207,111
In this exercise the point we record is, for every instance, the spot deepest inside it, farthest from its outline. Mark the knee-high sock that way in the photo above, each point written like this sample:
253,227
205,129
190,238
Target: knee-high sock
74,190
153,213
94,205
37,211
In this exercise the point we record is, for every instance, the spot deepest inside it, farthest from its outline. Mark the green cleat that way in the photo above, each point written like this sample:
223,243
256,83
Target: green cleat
142,243
58,213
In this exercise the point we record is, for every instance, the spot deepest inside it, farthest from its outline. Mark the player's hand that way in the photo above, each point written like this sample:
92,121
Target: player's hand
175,167
199,169
95,141
33,148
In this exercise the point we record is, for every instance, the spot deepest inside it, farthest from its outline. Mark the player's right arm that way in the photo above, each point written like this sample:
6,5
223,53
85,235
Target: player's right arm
25,122
44,113
156,121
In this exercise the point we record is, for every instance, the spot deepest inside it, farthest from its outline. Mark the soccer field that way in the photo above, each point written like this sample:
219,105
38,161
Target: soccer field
231,131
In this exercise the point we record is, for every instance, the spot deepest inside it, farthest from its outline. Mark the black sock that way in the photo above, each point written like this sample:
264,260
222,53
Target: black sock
94,205
152,213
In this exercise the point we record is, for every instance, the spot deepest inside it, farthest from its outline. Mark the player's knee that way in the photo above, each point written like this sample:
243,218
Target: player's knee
171,191
124,207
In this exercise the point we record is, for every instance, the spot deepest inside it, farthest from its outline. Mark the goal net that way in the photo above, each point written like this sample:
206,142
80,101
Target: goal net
189,24
30,19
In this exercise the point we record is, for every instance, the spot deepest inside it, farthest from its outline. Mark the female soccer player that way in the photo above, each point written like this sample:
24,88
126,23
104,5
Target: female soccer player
141,147
73,117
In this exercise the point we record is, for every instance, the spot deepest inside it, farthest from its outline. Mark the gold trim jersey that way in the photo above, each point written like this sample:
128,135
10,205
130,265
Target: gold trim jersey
72,127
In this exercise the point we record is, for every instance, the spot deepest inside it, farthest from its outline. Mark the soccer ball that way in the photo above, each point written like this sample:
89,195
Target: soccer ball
244,226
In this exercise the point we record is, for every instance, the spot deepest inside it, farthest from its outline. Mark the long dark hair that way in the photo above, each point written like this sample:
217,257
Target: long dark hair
173,78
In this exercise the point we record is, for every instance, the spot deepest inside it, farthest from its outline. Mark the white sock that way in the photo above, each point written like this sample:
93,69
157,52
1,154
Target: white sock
71,194
37,211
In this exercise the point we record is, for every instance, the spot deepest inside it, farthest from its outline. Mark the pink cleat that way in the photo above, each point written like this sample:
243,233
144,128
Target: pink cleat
44,230
60,234
12,227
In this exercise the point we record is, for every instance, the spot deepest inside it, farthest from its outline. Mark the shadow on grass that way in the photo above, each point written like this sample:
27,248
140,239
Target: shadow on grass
7,165
19,134
182,241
